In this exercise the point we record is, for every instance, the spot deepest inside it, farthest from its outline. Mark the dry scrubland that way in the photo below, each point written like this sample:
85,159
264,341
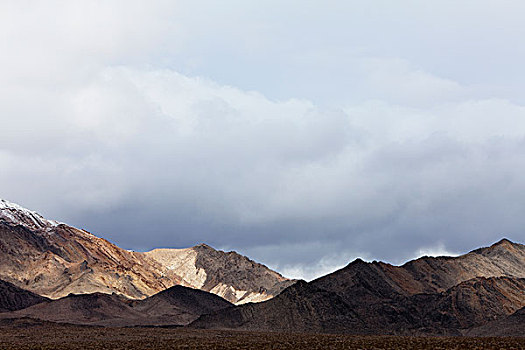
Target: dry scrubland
29,336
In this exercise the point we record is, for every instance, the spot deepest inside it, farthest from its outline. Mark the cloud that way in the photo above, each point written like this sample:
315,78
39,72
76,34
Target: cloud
109,124
435,251
309,259
189,160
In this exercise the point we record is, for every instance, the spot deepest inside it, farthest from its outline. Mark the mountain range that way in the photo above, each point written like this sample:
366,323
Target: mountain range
430,295
54,272
54,259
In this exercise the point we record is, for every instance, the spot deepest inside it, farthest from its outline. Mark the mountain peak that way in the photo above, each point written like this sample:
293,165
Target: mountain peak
504,246
357,261
203,246
504,242
15,214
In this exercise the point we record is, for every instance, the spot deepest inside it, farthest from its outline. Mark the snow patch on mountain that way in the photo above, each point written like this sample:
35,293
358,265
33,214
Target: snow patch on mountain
16,215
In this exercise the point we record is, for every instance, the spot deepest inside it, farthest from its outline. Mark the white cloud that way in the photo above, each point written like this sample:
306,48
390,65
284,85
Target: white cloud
435,251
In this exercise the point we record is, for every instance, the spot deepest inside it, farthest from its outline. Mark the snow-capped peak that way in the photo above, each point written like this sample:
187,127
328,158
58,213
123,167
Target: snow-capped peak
17,215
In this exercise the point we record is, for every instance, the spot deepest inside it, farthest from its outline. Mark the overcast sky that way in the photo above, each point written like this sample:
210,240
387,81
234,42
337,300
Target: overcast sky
303,134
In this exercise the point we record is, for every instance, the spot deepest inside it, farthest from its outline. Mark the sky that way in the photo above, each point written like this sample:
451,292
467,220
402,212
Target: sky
303,134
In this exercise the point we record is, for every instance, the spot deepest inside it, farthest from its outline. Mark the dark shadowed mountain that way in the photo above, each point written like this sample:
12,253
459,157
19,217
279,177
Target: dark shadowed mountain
471,303
178,303
13,298
175,306
425,296
87,309
510,326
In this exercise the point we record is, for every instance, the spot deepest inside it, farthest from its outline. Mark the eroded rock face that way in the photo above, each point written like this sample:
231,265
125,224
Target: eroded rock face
66,260
53,259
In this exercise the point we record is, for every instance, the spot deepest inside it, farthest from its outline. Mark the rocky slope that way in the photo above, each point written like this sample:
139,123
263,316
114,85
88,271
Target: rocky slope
431,274
472,303
174,307
53,259
13,298
425,296
63,260
230,275
511,326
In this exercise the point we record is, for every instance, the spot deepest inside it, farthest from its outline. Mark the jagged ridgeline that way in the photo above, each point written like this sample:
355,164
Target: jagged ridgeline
42,262
54,259
436,296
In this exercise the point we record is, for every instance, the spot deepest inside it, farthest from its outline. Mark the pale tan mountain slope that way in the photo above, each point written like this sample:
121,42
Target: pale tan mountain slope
53,259
229,275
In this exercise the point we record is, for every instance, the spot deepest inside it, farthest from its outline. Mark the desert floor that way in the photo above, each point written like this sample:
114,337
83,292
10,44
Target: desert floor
29,335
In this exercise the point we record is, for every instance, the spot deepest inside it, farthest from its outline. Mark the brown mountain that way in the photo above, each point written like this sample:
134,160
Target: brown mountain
424,296
54,260
431,274
13,298
66,260
175,306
